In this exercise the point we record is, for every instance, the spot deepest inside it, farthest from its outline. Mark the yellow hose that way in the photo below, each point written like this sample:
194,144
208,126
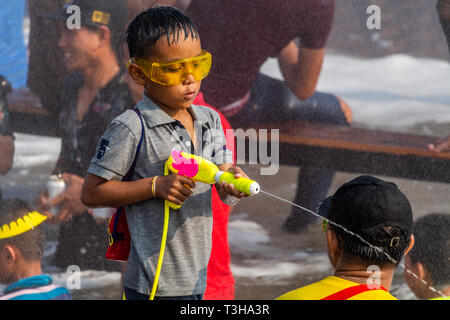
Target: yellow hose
163,242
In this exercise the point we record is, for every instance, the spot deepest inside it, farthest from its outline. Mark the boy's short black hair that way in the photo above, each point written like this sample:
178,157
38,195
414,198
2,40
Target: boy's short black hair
374,255
31,243
151,25
432,246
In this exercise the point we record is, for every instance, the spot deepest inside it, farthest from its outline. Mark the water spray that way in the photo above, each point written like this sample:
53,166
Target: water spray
202,170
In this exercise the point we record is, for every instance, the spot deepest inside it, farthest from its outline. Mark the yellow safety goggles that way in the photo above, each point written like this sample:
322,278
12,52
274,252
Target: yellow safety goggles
175,72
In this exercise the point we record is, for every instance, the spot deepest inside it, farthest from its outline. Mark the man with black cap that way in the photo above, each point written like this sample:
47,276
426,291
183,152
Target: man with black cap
91,96
368,226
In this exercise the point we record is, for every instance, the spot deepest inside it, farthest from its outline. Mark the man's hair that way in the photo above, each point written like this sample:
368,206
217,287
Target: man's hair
381,252
432,246
151,25
30,243
116,40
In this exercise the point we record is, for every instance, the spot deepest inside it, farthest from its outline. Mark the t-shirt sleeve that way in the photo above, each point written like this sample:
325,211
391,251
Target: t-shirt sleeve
115,152
317,24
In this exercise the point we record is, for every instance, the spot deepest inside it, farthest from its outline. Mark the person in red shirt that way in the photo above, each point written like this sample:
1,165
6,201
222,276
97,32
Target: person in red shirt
220,281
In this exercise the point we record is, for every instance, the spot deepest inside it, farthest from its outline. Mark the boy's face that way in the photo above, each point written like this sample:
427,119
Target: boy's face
182,95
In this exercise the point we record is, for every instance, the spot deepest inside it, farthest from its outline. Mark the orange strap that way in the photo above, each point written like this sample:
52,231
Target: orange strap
350,292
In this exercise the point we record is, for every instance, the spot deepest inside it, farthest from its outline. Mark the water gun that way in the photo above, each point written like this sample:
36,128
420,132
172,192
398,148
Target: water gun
201,170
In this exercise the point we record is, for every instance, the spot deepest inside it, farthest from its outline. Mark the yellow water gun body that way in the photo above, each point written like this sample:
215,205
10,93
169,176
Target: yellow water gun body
201,170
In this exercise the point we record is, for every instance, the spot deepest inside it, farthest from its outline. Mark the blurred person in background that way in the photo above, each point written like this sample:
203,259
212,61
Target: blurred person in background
429,259
91,95
6,132
443,9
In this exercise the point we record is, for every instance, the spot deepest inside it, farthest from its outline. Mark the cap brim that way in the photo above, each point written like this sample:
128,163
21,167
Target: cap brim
324,207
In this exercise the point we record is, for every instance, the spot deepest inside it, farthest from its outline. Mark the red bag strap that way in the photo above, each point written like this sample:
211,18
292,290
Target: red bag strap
350,292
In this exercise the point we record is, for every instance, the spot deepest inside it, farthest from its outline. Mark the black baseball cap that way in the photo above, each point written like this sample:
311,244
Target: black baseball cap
365,204
95,13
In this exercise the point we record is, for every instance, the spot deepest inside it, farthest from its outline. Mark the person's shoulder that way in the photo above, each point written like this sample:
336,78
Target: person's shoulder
313,291
374,295
127,119
303,293
206,113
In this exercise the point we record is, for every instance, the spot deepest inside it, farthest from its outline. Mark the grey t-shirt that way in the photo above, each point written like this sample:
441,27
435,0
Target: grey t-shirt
188,244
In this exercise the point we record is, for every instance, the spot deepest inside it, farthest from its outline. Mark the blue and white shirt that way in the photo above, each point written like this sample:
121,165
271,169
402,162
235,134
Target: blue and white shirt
35,288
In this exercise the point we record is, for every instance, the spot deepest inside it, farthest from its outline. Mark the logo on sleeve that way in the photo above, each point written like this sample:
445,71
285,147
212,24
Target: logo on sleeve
102,148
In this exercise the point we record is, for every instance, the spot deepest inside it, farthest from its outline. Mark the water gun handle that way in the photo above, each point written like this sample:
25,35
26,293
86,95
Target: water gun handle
166,202
245,185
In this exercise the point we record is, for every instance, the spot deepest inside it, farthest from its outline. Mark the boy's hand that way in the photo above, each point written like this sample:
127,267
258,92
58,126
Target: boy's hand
229,189
174,188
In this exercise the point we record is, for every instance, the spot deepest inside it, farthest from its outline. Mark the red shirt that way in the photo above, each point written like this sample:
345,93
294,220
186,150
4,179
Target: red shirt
220,281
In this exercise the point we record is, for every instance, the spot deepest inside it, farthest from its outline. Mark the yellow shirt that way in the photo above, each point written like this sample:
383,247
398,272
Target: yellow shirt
441,298
331,285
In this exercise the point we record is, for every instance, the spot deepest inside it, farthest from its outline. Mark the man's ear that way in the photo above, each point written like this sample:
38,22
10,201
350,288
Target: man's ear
104,34
411,244
333,246
137,74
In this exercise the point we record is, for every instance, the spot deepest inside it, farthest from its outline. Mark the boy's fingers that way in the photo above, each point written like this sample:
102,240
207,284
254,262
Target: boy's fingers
174,200
230,189
239,173
186,181
186,191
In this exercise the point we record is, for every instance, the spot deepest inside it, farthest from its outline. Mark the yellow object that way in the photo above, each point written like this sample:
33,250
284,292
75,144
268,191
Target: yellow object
202,170
163,241
21,225
175,72
331,285
100,17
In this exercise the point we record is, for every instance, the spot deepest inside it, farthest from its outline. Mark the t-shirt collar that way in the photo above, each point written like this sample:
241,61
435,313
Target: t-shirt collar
155,116
31,282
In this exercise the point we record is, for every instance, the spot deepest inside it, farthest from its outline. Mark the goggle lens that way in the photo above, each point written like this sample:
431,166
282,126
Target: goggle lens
173,73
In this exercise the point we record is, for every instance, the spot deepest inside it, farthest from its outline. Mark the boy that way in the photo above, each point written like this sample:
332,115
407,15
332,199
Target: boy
21,249
378,212
429,260
159,40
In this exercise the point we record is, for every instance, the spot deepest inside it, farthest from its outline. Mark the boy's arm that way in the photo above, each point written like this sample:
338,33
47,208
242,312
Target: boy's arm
99,192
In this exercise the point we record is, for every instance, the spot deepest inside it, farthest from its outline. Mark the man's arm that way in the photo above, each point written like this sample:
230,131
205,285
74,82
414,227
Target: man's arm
443,146
301,68
6,153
